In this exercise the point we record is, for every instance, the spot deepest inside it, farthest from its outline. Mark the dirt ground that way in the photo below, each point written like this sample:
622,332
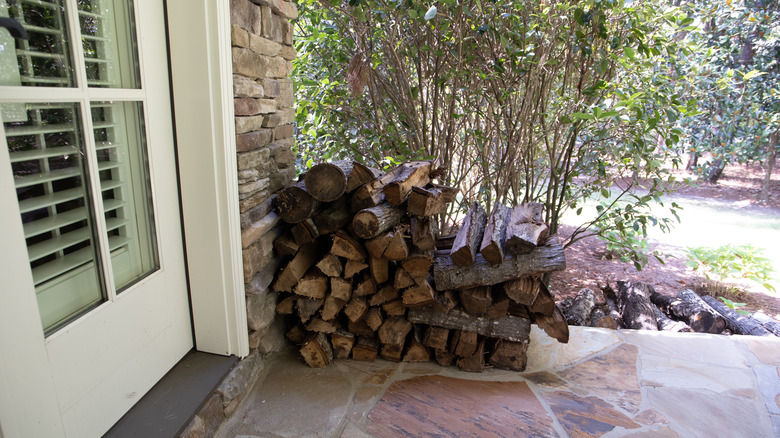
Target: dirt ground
590,265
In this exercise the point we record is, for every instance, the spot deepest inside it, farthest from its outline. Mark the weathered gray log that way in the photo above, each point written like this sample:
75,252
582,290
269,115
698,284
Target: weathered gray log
295,204
469,238
371,222
635,307
738,324
600,317
768,323
578,309
702,318
327,182
492,247
510,328
668,324
542,259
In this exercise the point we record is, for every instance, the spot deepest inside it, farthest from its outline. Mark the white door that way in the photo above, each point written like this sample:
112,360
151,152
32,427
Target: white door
93,301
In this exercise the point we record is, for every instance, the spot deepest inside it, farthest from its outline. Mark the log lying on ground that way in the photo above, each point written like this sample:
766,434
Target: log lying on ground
689,307
510,328
578,310
492,246
327,182
768,323
738,324
430,200
542,259
469,238
295,204
668,324
635,307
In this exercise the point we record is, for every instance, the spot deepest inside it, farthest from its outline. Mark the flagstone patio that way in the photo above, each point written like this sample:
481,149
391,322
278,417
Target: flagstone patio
602,383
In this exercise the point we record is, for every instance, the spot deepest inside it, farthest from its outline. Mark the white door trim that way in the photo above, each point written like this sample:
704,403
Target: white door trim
201,68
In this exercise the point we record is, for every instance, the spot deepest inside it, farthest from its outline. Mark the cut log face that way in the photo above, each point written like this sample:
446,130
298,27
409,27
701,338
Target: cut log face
554,325
295,204
361,175
431,200
341,288
418,265
492,247
314,285
509,355
326,182
416,352
444,357
306,257
376,247
468,240
386,293
464,343
445,301
356,309
402,279
365,349
321,326
371,222
394,331
394,308
347,247
307,307
407,175
542,259
510,328
397,249
331,266
286,306
436,337
364,286
332,307
361,328
342,342
634,305
421,295
544,303
285,245
523,290
297,334
523,238
354,267
317,351
476,300
305,231
474,363
380,269
374,318
423,233
392,353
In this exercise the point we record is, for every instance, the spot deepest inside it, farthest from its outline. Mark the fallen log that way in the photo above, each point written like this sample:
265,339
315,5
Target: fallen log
768,323
738,324
510,328
467,242
578,310
668,324
492,247
295,204
542,259
702,318
635,307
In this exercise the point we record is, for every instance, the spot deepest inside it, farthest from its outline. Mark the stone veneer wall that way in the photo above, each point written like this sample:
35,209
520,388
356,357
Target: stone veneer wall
262,46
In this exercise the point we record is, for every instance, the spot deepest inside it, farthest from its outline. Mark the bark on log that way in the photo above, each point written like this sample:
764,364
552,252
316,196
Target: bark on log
361,175
372,194
768,323
468,240
317,351
668,324
333,217
702,318
347,247
431,200
542,259
634,305
492,247
371,222
327,182
423,233
365,349
417,173
510,328
342,342
578,310
306,257
295,204
738,324
508,355
554,325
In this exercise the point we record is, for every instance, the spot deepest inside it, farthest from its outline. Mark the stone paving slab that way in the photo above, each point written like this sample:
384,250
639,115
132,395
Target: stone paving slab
603,383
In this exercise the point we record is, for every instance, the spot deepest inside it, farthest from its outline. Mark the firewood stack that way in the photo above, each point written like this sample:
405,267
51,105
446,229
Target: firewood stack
367,275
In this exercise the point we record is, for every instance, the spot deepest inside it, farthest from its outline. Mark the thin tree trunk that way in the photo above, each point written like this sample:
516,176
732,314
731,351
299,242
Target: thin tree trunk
772,146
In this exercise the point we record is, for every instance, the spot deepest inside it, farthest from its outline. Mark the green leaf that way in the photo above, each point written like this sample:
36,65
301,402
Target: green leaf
629,52
582,116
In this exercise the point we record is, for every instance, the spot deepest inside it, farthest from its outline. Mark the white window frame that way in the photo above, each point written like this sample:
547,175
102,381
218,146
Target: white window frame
202,84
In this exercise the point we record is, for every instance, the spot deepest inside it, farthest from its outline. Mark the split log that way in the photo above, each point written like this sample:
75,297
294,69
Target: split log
356,309
286,306
397,249
445,301
347,247
418,264
634,305
330,265
554,325
444,357
285,245
342,342
386,293
510,328
305,231
523,290
371,222
402,279
492,247
578,310
689,307
380,269
333,217
508,355
312,285
601,317
768,323
354,267
376,247
306,257
468,240
529,212
668,324
739,324
374,318
319,325
436,337
423,233
365,349
464,343
544,304
500,306
332,307
372,194
523,238
317,351
297,334
361,175
474,363
341,288
408,175
361,328
476,300
394,331
416,351
431,200
327,182
307,307
295,204
364,286
542,259
394,308
419,295
392,352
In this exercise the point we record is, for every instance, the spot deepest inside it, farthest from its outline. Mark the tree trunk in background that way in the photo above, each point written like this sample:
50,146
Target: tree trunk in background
772,149
715,171
693,161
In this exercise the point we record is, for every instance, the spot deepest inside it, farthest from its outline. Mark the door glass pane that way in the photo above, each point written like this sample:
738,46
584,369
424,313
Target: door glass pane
52,185
44,60
109,44
124,180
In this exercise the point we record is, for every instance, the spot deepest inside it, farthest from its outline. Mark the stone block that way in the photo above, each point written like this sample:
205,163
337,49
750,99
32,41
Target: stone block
264,46
286,93
239,36
281,179
250,188
249,141
254,232
247,106
272,25
249,123
278,68
284,131
273,120
282,155
264,278
249,63
213,415
247,176
288,52
256,199
260,310
271,338
257,213
288,116
288,31
245,87
253,159
246,14
240,378
272,87
284,8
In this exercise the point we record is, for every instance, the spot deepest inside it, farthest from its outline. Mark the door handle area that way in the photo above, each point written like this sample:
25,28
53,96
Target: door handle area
14,27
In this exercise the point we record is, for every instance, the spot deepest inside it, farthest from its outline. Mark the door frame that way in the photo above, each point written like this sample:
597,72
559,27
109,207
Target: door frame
200,54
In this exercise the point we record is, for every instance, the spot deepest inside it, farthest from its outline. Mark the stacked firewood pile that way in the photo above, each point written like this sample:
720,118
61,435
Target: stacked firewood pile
367,274
638,306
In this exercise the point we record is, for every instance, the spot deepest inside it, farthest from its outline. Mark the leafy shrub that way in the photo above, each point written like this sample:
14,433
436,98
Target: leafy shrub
732,262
